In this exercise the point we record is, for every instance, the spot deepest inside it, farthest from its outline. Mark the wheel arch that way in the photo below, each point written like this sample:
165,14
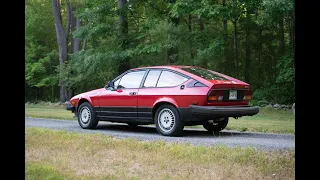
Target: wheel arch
82,100
162,102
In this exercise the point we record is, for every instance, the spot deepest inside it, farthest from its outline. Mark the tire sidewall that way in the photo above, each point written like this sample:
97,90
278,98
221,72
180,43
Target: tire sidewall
92,122
178,124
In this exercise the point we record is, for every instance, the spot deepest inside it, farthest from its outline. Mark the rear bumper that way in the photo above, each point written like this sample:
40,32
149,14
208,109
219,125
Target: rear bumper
203,113
224,111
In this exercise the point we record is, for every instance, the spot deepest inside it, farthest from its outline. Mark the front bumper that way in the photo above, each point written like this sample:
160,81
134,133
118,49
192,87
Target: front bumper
70,107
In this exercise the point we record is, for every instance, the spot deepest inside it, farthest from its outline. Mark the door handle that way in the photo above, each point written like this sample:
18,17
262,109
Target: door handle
132,93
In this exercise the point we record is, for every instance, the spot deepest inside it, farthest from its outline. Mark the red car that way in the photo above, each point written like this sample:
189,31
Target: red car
170,97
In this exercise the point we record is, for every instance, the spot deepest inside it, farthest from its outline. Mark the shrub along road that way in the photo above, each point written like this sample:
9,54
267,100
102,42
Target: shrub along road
193,136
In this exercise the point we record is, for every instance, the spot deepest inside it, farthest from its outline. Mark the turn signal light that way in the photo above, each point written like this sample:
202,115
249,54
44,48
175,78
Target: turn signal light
247,97
213,98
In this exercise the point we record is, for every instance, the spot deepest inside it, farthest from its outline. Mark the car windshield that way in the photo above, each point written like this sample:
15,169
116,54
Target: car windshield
204,73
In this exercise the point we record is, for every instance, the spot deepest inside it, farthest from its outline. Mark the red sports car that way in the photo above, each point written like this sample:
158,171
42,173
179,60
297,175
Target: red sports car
170,97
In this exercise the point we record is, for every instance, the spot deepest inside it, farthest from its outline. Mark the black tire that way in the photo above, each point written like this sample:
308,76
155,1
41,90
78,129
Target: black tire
133,125
171,124
86,116
217,127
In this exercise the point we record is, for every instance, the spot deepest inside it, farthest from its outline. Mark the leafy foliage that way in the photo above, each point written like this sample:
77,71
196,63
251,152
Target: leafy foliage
204,36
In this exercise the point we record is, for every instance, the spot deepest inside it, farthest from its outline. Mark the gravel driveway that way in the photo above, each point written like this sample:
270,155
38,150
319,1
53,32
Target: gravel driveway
194,136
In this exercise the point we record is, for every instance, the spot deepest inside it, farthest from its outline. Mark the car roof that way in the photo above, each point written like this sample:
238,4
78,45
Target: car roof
167,67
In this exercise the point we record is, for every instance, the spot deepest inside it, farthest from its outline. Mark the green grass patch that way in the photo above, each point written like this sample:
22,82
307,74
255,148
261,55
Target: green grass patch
40,171
52,153
268,120
48,111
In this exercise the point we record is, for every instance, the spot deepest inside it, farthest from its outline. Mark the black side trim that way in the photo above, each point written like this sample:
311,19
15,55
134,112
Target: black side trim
124,114
116,108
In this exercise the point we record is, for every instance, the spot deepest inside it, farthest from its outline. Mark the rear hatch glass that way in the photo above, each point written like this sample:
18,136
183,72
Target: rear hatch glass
204,73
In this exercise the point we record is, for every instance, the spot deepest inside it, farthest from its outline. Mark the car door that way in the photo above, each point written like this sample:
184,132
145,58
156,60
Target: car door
120,104
159,85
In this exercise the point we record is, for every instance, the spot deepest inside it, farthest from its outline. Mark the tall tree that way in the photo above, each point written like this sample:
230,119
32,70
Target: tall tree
123,34
248,49
218,34
172,51
75,25
62,39
190,36
225,37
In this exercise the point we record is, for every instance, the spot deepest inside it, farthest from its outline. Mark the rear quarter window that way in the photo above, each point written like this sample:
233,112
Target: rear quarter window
169,79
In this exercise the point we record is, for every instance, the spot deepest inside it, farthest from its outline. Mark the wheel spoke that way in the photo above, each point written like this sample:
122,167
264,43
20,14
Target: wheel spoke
85,115
166,119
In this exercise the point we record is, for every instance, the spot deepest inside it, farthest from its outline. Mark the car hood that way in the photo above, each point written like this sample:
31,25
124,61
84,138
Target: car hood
88,93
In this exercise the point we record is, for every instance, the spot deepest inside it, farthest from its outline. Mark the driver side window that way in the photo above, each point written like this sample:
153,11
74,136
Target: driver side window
130,80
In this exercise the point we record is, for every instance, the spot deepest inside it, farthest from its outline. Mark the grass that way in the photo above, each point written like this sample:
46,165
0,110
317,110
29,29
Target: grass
48,111
52,154
268,120
42,171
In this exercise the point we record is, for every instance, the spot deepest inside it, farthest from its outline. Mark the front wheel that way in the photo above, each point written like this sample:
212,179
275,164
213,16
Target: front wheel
167,120
86,116
216,126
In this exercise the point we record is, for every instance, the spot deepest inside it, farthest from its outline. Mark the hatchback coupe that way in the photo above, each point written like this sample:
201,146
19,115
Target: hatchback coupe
170,97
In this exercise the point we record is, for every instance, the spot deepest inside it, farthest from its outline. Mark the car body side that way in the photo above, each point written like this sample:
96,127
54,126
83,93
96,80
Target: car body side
119,106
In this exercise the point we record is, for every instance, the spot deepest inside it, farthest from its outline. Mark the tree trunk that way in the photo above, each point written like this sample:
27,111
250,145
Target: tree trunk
52,93
201,24
172,52
84,44
75,25
281,37
235,44
68,24
225,61
62,44
247,63
291,34
36,94
190,37
75,43
259,52
281,47
293,39
123,33
204,62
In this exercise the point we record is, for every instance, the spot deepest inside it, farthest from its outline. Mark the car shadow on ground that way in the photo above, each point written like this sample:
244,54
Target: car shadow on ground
151,130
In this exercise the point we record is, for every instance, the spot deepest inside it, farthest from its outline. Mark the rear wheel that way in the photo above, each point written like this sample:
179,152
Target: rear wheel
217,126
86,116
167,120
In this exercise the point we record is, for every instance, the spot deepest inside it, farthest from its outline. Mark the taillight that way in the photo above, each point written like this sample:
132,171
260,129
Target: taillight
247,95
216,95
224,95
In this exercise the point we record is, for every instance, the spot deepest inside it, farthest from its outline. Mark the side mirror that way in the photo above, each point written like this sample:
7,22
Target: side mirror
110,85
